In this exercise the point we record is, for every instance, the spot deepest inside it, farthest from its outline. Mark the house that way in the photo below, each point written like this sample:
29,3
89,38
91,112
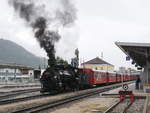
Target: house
15,72
98,64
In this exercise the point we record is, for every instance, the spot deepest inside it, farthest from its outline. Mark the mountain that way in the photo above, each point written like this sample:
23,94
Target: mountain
11,52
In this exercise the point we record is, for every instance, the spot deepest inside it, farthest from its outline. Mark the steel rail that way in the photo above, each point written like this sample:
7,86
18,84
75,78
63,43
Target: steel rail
126,108
55,103
10,101
14,100
19,86
17,93
112,107
116,105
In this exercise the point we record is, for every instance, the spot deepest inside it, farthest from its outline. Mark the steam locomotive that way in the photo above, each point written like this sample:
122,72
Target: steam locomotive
63,78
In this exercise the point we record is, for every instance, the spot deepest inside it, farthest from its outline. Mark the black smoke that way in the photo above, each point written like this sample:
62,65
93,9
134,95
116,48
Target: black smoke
46,39
35,16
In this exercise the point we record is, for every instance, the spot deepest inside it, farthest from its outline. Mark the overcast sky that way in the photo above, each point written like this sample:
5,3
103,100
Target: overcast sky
99,24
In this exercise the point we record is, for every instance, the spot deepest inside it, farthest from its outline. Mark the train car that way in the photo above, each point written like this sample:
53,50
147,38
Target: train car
64,78
100,77
112,77
118,77
97,77
87,78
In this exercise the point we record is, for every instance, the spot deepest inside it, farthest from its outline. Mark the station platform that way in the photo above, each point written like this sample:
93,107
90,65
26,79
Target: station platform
139,92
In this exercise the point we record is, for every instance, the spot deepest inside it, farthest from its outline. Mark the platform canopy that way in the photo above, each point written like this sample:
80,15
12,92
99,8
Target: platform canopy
139,52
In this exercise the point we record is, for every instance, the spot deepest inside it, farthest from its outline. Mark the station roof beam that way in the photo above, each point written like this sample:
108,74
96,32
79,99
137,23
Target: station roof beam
139,52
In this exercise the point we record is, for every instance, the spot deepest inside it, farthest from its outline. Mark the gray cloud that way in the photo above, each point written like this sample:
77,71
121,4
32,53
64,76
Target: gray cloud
99,24
102,22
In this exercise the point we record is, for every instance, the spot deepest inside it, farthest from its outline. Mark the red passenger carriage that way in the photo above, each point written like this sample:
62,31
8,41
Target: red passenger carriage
96,77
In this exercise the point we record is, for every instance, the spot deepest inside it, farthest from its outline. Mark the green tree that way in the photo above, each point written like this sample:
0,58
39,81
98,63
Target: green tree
61,61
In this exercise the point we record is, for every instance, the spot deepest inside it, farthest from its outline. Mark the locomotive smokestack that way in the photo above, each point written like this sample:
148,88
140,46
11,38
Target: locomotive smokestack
40,19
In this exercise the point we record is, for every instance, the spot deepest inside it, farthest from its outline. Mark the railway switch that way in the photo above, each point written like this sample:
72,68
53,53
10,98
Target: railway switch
124,94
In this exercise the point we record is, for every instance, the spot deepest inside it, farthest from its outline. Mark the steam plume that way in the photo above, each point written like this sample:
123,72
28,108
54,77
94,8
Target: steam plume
40,17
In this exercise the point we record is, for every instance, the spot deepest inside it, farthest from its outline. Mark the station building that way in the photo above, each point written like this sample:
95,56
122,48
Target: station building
139,53
98,64
15,72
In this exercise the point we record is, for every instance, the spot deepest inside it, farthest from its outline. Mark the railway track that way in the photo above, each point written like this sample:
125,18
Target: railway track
22,99
58,102
119,107
125,107
112,107
19,86
17,93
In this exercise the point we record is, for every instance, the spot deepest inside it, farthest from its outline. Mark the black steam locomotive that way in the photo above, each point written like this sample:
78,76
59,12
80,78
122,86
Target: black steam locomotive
64,78
61,78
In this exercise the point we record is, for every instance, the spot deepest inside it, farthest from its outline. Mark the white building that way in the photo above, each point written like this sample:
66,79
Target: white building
15,72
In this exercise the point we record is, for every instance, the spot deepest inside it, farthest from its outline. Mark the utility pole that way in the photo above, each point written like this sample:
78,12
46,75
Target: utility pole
101,55
77,56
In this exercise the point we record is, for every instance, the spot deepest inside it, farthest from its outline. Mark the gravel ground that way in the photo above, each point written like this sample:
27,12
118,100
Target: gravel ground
95,104
121,106
90,105
10,107
24,95
6,90
137,106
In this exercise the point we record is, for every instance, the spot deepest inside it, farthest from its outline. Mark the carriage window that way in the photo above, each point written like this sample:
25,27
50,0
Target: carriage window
99,75
95,75
103,75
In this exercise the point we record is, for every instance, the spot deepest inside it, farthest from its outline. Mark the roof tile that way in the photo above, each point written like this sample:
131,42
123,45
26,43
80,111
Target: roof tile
96,60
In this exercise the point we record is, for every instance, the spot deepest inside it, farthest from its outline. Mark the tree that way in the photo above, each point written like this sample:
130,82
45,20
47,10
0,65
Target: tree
61,61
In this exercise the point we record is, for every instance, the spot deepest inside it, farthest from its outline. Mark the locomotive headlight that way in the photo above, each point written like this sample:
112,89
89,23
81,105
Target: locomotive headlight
76,70
60,73
55,77
77,78
60,84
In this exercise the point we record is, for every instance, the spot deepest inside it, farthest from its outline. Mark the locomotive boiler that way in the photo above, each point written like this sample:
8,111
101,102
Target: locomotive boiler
60,78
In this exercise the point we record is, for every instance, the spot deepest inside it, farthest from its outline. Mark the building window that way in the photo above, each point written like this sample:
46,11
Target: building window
101,68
